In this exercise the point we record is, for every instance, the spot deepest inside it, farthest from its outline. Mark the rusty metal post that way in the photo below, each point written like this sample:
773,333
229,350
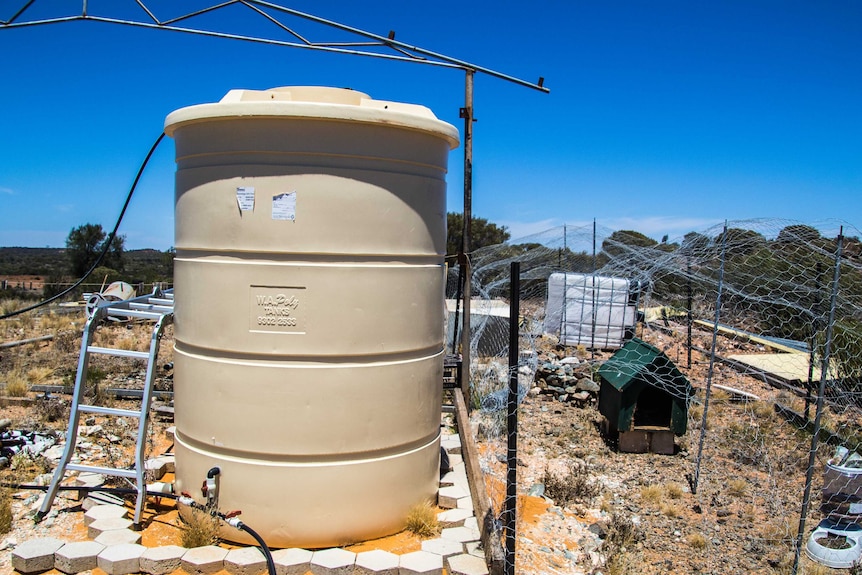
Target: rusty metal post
464,256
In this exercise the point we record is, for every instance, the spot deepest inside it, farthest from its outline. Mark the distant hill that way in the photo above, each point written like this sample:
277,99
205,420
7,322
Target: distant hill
140,265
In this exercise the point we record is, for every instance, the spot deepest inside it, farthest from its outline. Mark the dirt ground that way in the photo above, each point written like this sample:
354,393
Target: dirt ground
583,506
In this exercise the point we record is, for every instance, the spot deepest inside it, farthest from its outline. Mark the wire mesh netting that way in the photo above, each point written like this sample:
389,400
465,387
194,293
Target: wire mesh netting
686,406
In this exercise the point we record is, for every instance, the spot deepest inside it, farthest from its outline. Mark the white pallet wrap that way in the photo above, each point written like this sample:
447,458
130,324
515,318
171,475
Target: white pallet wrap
598,312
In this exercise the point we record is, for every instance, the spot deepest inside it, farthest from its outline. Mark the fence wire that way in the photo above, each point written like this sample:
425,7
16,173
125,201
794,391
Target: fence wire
691,405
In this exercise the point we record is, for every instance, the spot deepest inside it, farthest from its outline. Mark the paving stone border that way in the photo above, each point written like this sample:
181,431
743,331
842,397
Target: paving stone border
118,551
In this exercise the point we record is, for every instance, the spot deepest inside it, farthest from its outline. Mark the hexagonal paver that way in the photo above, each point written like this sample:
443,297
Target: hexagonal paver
156,468
162,560
121,559
443,547
104,512
465,503
420,563
292,561
333,562
461,534
453,478
467,565
447,497
245,561
454,517
475,548
78,556
376,562
35,555
99,526
472,523
96,498
204,560
118,537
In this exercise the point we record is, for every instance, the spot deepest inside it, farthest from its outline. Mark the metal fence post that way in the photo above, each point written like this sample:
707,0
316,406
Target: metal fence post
696,479
824,374
512,419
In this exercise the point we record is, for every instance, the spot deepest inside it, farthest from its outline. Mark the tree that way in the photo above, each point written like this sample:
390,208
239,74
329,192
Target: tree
483,233
84,245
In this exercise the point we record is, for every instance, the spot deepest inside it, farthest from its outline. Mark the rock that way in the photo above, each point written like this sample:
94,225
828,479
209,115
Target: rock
570,360
537,490
586,384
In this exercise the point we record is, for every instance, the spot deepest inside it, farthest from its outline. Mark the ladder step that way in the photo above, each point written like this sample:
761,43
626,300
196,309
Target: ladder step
130,473
108,410
118,352
161,301
120,312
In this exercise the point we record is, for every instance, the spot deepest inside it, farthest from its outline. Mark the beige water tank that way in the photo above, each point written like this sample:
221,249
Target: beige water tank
309,285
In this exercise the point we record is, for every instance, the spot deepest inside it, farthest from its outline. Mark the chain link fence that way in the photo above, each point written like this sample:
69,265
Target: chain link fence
690,405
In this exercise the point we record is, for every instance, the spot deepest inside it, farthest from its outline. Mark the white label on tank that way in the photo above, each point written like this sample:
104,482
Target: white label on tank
284,207
245,198
276,309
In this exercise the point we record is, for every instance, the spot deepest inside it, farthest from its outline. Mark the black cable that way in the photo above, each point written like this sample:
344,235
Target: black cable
108,242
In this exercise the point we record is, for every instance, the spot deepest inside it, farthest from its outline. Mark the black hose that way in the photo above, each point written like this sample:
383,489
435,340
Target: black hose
270,564
108,241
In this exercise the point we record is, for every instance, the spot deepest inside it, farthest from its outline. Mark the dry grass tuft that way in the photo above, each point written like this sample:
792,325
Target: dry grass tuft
737,487
422,520
673,490
573,486
199,529
651,494
16,384
39,375
696,541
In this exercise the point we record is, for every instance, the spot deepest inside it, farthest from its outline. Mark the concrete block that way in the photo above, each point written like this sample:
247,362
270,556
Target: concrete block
467,565
292,561
460,534
443,547
78,556
118,537
171,432
420,563
204,560
104,512
121,559
245,561
472,523
447,497
661,442
333,562
35,555
376,562
162,560
453,517
99,526
634,442
465,503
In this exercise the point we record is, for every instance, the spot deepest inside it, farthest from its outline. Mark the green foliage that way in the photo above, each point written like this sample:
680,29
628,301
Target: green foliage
84,245
483,233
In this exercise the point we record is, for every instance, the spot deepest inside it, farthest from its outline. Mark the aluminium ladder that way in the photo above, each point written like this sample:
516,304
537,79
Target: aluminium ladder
157,307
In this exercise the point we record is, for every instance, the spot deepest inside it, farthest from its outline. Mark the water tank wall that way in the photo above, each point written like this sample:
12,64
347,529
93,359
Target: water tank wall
309,286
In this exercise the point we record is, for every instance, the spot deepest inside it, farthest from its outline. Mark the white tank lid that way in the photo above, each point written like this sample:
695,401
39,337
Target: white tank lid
314,102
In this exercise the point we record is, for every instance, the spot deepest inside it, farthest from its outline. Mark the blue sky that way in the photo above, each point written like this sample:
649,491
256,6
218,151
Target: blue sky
663,116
